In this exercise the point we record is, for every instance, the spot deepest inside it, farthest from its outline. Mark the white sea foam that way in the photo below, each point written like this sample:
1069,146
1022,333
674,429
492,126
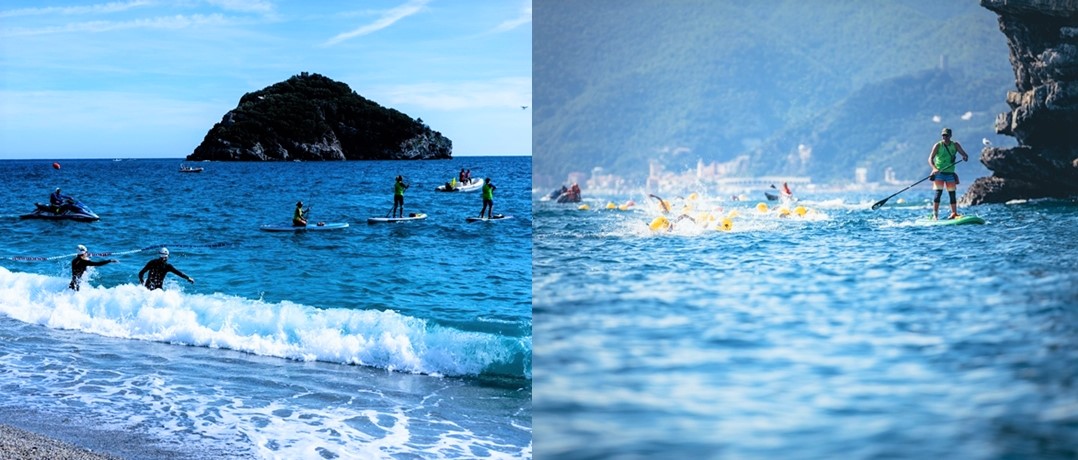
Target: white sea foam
383,339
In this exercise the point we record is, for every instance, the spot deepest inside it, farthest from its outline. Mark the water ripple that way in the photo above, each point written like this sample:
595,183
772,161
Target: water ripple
856,335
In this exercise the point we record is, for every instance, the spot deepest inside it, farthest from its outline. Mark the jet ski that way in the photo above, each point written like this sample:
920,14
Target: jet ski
70,210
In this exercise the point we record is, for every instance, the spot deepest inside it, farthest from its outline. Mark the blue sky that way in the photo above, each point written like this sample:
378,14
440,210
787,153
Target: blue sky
149,78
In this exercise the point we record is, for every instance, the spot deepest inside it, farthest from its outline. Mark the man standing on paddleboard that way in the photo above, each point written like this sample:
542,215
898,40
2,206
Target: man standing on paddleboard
79,265
942,159
158,268
398,196
488,200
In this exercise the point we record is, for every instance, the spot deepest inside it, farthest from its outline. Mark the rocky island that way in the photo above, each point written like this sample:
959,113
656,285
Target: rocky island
1043,39
310,117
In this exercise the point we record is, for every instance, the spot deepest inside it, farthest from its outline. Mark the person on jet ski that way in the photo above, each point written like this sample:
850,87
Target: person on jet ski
58,200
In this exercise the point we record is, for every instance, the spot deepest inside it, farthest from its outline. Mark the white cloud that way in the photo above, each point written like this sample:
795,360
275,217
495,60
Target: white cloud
388,18
246,6
101,8
936,119
510,93
967,115
525,18
162,22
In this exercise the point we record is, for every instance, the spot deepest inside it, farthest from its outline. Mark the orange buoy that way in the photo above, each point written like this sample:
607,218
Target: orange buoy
56,166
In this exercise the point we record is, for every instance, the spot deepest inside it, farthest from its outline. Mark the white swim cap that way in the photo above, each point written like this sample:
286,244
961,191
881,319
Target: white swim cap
82,250
163,252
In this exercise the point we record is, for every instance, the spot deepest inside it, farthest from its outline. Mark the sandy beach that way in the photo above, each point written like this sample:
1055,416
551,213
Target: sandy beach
18,444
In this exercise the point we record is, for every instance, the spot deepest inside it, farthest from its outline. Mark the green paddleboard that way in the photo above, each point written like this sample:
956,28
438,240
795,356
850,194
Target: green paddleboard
963,220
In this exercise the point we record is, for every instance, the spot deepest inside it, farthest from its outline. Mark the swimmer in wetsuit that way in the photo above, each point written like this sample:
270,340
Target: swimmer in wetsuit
158,268
79,265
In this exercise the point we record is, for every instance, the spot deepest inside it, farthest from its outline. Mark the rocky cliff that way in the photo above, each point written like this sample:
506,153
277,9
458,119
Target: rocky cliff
311,117
1043,40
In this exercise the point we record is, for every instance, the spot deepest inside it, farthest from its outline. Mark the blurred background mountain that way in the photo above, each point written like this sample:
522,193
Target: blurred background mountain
771,87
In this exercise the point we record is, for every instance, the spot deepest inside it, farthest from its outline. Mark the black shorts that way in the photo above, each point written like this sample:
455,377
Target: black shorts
398,199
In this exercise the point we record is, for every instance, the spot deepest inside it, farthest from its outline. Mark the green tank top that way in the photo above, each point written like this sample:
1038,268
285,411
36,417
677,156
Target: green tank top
398,189
945,157
488,192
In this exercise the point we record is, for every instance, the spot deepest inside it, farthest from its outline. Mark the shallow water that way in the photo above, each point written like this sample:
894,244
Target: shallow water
848,334
372,340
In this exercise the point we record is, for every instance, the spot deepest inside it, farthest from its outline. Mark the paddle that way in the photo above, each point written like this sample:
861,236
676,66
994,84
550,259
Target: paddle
880,203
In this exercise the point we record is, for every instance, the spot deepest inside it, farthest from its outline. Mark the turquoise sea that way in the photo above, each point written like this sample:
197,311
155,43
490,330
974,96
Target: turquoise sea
392,340
847,333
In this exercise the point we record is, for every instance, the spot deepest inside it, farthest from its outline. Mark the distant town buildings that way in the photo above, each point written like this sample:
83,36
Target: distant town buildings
715,177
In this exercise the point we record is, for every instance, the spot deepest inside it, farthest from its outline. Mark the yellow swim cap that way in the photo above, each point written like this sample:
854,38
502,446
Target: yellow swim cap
659,223
762,207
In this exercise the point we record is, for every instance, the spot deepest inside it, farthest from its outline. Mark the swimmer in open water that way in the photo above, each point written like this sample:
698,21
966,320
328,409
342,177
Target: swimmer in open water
158,268
79,265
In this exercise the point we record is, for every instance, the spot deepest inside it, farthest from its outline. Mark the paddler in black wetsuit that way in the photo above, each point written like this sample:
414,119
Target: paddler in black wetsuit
158,268
79,265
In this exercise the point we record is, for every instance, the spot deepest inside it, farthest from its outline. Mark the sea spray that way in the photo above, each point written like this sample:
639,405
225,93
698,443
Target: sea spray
382,339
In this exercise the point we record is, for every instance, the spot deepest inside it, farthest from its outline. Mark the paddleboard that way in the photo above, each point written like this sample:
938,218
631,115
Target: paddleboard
496,217
311,227
384,220
963,220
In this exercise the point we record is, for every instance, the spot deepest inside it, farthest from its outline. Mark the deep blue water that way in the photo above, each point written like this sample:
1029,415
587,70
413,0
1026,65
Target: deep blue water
402,340
850,333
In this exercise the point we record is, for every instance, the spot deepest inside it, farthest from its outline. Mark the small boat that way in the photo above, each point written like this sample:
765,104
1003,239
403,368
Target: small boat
472,186
569,197
189,169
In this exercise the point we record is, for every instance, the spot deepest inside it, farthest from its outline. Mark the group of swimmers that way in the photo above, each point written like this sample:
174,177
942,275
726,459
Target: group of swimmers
154,270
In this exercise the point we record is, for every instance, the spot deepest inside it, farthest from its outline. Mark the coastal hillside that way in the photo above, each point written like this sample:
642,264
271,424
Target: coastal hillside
797,88
310,117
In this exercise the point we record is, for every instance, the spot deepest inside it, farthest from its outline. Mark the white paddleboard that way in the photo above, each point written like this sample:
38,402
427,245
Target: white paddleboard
496,217
384,220
311,227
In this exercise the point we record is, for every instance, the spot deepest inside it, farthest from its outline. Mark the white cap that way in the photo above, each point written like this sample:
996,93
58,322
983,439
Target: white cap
163,252
82,250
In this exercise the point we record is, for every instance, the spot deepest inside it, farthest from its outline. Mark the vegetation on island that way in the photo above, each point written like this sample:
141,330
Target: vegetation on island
312,117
